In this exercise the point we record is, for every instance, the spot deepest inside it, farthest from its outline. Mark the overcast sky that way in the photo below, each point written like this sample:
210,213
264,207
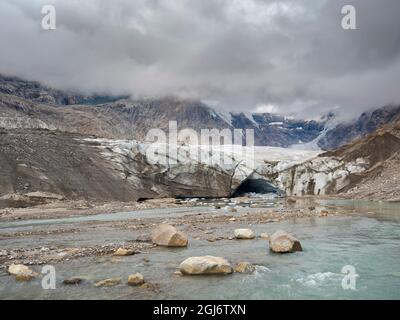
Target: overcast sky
285,56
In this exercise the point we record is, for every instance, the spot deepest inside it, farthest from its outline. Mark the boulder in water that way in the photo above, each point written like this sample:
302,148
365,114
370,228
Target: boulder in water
108,282
244,267
283,242
135,279
166,235
21,272
205,265
244,234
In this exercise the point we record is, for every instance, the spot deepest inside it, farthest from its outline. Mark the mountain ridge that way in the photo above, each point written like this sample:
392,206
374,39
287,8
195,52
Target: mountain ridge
28,104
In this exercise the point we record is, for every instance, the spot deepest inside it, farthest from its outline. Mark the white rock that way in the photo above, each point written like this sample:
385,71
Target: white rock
205,265
244,234
21,272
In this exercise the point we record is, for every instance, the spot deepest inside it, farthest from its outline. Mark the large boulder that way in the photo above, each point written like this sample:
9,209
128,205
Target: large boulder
205,265
283,242
21,272
244,234
166,235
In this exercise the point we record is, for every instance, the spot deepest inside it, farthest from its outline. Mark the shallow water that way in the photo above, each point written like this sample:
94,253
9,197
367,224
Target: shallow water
369,243
198,206
379,209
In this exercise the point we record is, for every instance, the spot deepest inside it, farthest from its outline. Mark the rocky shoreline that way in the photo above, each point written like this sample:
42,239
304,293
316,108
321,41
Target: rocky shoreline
69,208
132,256
202,226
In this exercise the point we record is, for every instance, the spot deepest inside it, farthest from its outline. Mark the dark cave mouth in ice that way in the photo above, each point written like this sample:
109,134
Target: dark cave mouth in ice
257,186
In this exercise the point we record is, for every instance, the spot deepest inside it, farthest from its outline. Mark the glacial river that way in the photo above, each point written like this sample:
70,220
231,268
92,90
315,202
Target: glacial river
369,243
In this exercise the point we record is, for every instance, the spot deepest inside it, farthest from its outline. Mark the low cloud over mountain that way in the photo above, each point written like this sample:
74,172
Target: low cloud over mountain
287,56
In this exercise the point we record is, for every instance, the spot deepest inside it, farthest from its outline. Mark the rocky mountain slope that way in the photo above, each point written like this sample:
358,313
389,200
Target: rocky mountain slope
366,168
382,177
37,92
77,166
380,183
50,161
367,123
89,151
25,104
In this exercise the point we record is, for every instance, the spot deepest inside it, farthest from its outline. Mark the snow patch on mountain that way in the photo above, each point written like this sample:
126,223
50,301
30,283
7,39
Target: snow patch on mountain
331,123
249,116
226,116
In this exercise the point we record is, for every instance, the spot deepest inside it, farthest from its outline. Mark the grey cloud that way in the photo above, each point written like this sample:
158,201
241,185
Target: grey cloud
290,54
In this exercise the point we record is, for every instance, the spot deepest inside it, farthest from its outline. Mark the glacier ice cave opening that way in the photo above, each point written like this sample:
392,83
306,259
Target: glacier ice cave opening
257,186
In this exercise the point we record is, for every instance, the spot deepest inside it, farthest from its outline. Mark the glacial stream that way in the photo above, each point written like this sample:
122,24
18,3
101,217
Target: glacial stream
369,242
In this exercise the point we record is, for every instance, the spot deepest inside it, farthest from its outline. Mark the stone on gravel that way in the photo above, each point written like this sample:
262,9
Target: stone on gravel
324,213
122,252
291,200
